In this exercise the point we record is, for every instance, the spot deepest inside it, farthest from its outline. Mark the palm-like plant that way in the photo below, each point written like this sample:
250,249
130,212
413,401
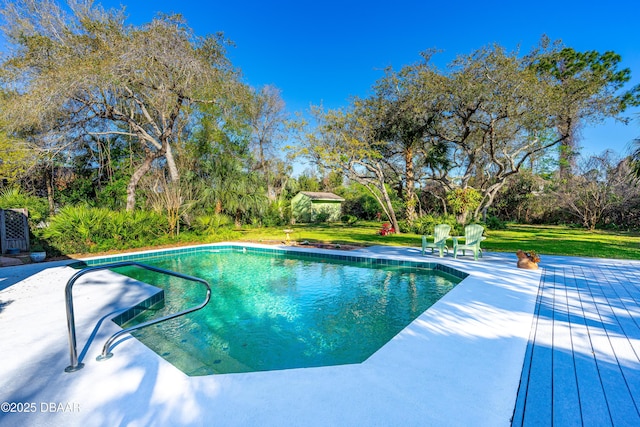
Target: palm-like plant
234,191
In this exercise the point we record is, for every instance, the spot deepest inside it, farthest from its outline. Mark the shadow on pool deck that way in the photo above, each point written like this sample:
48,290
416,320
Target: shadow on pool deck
459,363
11,275
582,364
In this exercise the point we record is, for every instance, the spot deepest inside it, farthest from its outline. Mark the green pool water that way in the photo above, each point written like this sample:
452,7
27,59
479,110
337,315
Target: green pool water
279,312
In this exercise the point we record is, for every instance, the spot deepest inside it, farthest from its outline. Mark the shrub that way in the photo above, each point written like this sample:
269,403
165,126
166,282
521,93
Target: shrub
321,216
85,229
495,223
212,224
362,206
15,197
463,201
349,219
426,224
405,227
77,228
277,214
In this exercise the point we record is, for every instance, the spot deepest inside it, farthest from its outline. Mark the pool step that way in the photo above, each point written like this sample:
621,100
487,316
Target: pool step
191,358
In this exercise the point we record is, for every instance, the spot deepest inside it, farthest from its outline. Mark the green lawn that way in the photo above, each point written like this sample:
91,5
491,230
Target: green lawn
554,240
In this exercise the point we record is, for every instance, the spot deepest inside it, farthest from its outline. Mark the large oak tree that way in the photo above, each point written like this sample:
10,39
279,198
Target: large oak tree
82,70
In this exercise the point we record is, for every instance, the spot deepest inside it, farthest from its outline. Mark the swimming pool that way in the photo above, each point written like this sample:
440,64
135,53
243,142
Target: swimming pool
277,309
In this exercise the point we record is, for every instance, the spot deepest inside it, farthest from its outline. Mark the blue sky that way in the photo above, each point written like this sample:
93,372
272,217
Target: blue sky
327,51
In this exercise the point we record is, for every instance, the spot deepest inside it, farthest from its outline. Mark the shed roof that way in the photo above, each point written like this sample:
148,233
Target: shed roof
314,195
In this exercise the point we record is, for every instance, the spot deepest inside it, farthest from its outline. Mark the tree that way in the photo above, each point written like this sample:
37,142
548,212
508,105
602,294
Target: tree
268,119
625,213
307,181
462,201
596,189
15,159
87,72
496,110
344,141
494,115
520,200
586,88
233,190
402,116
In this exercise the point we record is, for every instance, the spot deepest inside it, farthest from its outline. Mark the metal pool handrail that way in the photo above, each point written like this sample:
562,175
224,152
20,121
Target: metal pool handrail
105,350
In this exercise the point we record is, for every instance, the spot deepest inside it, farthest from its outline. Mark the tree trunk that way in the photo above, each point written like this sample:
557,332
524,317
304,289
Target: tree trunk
265,172
381,195
567,147
48,179
171,163
391,211
135,179
489,197
410,178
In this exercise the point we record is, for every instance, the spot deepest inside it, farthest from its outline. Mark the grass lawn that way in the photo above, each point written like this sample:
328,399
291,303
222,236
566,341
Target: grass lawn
552,240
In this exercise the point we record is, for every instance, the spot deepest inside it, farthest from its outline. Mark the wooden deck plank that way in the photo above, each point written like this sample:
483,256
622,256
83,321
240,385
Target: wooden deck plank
592,402
621,352
582,364
518,412
627,292
565,387
619,399
538,412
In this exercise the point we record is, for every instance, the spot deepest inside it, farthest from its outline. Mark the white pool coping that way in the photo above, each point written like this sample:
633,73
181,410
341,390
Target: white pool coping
459,363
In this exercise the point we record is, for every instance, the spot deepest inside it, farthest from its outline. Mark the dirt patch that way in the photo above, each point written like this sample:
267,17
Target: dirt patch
9,261
317,245
325,246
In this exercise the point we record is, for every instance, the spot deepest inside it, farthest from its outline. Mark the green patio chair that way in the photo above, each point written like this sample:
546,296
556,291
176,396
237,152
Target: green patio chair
472,238
440,236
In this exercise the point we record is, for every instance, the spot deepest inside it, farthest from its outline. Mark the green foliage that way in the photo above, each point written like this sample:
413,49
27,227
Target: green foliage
426,223
98,175
15,157
212,223
349,219
494,223
405,227
15,197
113,194
80,190
594,74
463,200
321,216
307,182
231,189
635,159
360,203
77,229
277,214
520,199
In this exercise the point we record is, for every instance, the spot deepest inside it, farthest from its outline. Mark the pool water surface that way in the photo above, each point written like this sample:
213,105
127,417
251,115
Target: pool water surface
281,311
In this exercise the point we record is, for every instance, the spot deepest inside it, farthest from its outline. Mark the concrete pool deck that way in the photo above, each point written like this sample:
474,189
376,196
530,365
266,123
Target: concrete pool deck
459,363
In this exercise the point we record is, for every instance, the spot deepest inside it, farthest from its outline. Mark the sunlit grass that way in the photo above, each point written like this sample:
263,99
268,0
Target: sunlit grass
552,240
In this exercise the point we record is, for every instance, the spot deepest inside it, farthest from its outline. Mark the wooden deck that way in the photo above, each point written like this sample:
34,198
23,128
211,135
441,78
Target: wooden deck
582,365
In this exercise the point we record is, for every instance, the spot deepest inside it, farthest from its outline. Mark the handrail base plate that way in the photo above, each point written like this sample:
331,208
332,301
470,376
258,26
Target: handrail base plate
105,357
71,368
